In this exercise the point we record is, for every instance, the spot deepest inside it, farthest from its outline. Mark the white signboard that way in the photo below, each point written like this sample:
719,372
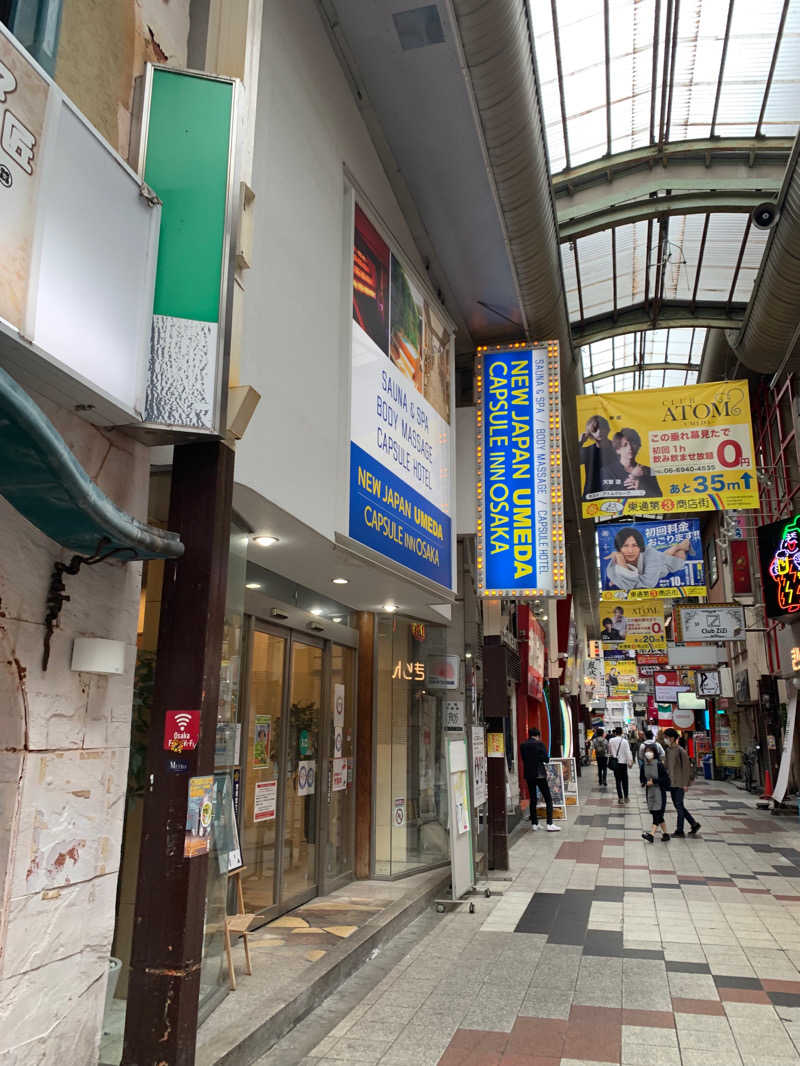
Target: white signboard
454,714
402,445
399,811
264,803
479,766
338,706
709,623
306,777
443,671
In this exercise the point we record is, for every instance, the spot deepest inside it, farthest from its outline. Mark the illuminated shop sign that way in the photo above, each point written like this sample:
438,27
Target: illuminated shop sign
667,451
404,671
521,548
795,653
779,555
401,436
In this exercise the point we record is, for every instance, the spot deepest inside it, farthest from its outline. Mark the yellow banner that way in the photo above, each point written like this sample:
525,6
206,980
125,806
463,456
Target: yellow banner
632,625
622,677
667,451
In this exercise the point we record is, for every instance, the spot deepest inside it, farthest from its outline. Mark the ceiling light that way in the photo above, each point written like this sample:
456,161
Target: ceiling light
467,654
544,617
253,585
337,619
339,580
266,542
390,608
316,610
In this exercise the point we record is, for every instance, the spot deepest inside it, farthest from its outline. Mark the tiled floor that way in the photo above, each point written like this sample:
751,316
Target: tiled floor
603,948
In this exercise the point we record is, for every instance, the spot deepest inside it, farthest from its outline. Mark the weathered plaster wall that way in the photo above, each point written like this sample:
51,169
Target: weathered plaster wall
63,766
104,46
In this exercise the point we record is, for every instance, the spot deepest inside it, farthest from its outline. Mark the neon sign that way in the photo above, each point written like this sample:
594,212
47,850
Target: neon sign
784,569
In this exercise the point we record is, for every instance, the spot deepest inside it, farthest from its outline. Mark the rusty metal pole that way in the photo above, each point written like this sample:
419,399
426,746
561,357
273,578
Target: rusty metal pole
164,984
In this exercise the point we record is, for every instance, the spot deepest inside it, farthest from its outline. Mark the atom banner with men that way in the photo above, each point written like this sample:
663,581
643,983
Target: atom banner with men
632,625
643,560
667,451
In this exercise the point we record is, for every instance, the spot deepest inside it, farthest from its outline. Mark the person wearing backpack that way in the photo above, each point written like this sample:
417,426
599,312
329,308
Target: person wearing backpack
600,749
534,757
620,761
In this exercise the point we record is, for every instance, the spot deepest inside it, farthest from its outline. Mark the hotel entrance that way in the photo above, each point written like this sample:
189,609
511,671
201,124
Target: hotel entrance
298,773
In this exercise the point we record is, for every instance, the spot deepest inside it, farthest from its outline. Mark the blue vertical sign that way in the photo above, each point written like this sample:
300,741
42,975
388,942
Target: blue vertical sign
520,496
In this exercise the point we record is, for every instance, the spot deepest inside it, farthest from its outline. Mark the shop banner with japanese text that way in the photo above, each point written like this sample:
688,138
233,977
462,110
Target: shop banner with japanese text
642,560
621,677
667,451
632,625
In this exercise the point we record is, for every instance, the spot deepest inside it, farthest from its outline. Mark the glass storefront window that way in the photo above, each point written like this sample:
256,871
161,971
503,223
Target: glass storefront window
415,676
341,811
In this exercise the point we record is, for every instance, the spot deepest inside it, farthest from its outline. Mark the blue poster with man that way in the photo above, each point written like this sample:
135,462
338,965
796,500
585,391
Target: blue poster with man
643,559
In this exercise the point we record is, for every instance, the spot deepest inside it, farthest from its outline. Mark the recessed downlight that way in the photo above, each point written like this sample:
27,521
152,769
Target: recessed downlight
339,580
317,611
266,542
390,608
253,585
338,618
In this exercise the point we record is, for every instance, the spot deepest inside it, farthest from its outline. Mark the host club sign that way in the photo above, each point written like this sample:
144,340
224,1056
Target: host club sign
519,475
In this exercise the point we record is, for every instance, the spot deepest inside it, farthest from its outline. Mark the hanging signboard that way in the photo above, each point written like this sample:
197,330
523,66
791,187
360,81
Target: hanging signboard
719,621
667,451
779,555
632,625
521,548
621,677
401,413
535,660
187,155
640,560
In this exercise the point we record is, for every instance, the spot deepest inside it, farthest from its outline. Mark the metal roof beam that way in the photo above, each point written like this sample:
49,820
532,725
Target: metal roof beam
603,216
671,314
708,153
640,366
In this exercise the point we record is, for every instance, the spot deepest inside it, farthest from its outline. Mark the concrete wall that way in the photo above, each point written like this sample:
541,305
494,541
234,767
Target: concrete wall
296,318
64,741
104,46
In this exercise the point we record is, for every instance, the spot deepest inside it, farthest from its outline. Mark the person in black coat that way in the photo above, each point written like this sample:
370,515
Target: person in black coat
534,758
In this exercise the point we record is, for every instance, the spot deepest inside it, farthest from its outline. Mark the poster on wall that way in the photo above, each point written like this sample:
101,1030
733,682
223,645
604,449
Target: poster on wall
636,624
339,775
480,768
535,659
263,725
199,815
667,451
400,413
521,547
306,777
640,560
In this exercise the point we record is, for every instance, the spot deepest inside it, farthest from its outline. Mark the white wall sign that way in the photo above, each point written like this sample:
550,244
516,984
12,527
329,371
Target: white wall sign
454,714
443,671
399,817
479,764
306,777
339,783
265,801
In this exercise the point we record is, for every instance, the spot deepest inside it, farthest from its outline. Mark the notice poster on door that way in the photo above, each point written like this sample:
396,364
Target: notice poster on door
265,801
339,775
306,777
338,706
199,813
262,740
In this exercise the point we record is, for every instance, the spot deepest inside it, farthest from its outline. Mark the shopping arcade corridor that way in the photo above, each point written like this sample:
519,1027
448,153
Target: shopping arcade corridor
601,949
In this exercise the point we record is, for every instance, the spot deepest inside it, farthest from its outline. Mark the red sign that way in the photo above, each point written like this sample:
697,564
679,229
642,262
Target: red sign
181,730
740,565
646,658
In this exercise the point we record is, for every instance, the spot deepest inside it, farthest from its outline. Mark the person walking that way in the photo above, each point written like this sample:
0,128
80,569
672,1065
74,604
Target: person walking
600,749
656,783
534,758
649,738
679,770
620,760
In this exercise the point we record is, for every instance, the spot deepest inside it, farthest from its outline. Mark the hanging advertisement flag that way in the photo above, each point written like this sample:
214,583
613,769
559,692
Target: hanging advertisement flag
667,451
535,659
521,549
621,677
643,560
401,440
632,625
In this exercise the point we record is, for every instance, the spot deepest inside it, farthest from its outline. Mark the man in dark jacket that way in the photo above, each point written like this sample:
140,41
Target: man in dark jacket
679,770
534,757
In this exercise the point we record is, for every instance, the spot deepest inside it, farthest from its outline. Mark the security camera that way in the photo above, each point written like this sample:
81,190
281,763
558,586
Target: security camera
765,215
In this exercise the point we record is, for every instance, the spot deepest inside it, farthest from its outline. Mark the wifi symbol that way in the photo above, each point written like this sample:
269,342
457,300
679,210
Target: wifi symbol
182,720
